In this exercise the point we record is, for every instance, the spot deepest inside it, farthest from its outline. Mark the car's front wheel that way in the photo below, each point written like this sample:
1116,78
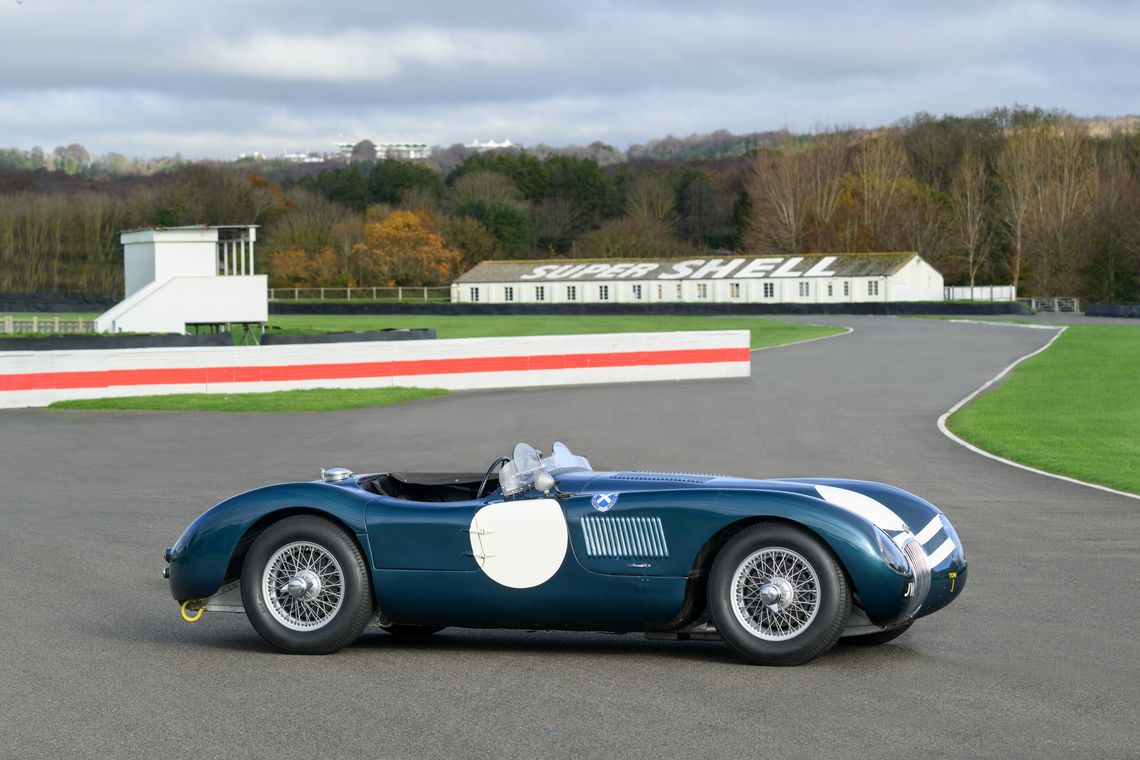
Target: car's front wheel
778,595
305,586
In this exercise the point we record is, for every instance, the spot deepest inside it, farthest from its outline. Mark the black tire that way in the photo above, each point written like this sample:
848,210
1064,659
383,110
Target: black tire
875,639
319,616
801,622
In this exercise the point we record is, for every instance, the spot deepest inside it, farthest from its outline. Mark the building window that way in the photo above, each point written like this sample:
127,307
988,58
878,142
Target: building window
702,290
805,289
603,292
571,292
734,290
540,292
829,290
637,292
509,293
769,290
474,294
846,288
873,288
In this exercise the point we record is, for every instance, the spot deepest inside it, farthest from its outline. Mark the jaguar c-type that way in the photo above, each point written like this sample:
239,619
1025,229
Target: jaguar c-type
779,569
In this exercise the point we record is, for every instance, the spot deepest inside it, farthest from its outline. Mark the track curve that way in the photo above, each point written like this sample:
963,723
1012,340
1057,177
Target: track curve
1037,659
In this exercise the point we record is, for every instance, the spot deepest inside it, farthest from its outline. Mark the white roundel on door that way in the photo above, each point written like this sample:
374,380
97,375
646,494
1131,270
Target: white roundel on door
520,544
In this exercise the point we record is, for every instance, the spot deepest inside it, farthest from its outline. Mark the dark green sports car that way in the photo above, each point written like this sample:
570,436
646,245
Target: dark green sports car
779,569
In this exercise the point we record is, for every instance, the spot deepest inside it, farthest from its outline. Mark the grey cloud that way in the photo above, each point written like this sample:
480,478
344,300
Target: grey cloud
212,78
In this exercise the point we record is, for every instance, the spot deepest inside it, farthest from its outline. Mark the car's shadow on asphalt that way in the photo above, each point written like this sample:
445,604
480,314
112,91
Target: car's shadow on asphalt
548,643
543,643
234,635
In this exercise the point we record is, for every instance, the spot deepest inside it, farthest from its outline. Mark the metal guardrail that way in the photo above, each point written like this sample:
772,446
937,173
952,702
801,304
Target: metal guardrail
1058,304
10,325
396,294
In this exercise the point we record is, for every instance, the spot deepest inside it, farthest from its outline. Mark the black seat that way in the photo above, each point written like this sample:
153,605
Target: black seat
430,486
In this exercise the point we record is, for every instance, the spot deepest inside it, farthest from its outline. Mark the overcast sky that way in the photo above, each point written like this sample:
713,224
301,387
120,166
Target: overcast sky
215,79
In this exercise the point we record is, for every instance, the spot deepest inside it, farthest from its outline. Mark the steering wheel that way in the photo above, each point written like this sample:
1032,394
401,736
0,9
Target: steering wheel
496,463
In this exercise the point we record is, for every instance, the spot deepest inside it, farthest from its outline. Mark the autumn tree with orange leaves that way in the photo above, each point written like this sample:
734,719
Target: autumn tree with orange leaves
405,248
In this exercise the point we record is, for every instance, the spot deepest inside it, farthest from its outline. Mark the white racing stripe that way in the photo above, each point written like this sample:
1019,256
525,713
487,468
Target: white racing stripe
941,553
930,531
864,506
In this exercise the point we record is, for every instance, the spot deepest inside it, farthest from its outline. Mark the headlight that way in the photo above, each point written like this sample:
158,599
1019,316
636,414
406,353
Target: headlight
891,554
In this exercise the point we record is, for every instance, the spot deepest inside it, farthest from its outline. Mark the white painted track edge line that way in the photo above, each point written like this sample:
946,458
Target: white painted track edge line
846,331
989,383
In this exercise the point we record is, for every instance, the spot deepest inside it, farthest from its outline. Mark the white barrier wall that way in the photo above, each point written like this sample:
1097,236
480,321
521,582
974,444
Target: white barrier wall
37,378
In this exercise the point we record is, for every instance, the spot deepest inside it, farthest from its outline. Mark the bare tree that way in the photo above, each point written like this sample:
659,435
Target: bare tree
826,164
881,167
1116,245
970,213
1063,201
489,187
1017,170
779,186
651,197
365,150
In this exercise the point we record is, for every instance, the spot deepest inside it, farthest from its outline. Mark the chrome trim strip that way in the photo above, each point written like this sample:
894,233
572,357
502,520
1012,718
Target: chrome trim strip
921,568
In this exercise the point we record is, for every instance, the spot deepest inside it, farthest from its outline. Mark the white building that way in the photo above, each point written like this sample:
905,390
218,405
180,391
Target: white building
489,145
181,276
831,278
401,150
404,151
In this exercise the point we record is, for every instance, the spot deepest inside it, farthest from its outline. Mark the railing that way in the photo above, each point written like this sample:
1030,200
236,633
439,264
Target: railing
397,294
979,293
34,325
1062,303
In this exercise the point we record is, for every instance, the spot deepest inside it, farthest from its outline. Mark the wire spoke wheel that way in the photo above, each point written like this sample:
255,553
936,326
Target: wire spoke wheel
778,595
775,594
303,585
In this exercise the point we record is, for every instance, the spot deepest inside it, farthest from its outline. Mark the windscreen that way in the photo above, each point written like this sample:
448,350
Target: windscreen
562,461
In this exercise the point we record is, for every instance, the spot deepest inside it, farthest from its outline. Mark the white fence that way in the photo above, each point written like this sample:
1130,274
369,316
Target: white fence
397,294
34,325
980,293
1062,303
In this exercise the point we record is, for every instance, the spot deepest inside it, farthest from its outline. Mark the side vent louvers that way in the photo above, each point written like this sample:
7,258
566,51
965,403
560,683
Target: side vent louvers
621,537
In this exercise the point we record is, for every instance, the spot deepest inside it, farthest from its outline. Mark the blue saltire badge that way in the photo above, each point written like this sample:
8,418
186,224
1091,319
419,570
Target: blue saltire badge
603,501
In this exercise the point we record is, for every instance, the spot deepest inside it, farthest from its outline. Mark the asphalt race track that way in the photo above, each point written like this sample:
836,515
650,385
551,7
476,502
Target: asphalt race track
1039,658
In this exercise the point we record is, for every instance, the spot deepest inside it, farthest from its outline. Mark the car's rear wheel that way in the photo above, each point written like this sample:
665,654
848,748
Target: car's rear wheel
305,586
778,595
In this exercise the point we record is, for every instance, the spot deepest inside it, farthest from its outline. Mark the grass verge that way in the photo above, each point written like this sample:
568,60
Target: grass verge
765,332
314,400
1073,410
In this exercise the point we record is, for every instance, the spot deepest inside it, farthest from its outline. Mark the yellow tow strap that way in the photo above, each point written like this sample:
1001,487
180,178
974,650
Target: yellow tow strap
186,617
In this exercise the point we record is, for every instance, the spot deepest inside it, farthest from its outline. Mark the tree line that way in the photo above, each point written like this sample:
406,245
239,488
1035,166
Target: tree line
1013,195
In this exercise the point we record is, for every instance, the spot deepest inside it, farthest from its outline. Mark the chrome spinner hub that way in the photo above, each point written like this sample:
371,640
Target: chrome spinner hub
304,585
777,594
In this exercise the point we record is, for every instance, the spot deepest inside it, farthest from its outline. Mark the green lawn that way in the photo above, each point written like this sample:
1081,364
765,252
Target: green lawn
1072,410
765,331
315,400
